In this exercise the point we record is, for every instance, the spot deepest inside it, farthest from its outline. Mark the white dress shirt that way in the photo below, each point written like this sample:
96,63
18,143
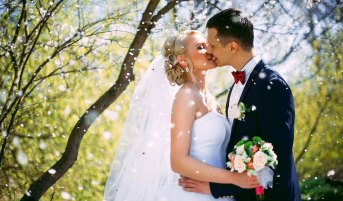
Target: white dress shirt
238,88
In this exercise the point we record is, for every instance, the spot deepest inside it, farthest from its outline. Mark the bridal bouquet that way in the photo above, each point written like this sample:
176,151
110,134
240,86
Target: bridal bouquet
256,157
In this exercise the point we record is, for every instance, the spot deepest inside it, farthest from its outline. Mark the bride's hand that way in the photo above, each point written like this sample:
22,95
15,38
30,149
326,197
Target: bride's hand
245,181
192,185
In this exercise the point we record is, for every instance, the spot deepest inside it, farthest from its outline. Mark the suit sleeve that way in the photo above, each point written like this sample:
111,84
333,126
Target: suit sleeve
276,121
221,190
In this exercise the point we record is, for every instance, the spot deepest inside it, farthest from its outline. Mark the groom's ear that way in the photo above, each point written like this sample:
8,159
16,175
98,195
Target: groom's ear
233,46
181,59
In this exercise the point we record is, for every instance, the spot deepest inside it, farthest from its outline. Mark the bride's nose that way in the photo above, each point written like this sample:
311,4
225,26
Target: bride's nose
208,49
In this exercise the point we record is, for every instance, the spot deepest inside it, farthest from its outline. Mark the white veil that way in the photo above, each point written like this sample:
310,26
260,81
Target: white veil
142,161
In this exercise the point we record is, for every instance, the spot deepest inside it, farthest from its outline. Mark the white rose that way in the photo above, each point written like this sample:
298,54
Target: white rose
240,150
234,112
267,146
246,158
260,160
274,156
239,164
229,165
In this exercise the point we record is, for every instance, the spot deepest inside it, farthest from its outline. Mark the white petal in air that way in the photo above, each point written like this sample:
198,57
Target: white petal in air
65,195
61,88
179,134
150,144
262,75
331,173
187,91
42,145
22,158
16,142
90,156
28,193
106,135
191,103
52,171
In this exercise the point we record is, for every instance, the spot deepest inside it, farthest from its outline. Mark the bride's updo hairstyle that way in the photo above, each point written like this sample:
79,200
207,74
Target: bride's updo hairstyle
173,46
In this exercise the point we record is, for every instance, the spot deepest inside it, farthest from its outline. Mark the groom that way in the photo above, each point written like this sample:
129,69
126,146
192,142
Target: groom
231,37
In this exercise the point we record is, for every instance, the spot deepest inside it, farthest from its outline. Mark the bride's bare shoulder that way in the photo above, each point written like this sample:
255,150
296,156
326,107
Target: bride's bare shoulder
186,102
187,92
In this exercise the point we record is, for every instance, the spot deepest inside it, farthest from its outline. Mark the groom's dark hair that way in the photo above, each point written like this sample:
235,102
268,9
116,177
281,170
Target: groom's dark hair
231,24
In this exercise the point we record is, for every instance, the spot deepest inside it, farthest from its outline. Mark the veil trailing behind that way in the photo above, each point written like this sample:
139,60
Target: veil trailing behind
142,161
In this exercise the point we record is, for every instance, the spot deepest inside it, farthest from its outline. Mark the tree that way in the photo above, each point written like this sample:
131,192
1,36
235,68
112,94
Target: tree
126,75
319,108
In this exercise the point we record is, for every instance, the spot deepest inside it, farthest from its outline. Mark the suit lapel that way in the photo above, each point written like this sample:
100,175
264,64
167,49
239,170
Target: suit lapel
248,85
227,102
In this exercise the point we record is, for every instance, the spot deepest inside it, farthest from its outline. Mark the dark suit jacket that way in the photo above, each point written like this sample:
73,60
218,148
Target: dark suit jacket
273,121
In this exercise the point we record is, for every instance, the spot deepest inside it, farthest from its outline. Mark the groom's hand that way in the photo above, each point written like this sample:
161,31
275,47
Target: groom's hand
191,185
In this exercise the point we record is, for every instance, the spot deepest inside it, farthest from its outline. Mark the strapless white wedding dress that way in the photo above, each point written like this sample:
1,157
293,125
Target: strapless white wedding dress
210,136
146,174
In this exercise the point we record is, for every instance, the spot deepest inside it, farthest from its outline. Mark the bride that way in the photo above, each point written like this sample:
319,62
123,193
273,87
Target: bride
172,131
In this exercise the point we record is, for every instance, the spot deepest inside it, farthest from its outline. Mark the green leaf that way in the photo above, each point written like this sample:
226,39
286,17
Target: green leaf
240,143
249,109
249,153
248,145
242,106
256,139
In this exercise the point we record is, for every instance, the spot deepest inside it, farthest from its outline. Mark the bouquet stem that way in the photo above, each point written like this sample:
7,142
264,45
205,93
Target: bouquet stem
259,193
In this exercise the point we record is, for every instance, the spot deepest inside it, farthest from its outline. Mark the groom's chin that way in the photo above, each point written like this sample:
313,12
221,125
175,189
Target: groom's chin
219,64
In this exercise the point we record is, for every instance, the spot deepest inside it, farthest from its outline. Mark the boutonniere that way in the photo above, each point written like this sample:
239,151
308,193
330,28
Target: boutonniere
238,111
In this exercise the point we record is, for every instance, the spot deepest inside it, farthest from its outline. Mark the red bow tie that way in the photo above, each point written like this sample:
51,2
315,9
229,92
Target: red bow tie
239,76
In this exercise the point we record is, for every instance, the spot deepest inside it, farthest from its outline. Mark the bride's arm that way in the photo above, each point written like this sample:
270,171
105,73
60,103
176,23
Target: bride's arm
183,115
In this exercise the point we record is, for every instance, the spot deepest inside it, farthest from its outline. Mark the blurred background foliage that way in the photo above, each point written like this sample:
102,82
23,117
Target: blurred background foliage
80,53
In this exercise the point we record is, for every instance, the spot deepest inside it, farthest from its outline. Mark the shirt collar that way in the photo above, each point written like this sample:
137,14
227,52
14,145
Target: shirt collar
249,67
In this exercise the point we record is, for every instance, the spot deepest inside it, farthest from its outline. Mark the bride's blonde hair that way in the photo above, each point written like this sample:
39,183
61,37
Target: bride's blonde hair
173,46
